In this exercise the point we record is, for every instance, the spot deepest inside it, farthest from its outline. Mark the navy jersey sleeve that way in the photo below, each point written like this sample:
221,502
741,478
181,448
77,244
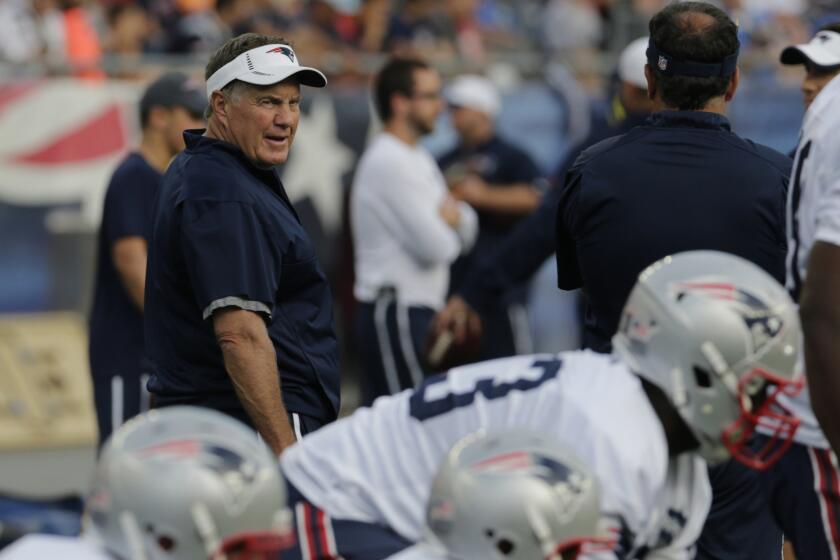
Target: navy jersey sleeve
568,271
229,256
127,210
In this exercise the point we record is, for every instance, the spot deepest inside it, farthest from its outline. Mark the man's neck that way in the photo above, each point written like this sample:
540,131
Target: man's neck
478,140
155,151
677,434
716,105
403,131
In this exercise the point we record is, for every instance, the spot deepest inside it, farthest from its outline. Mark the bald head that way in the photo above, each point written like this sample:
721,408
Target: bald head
696,32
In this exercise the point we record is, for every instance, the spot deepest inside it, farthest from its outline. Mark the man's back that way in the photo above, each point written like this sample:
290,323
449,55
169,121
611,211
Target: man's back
683,181
377,466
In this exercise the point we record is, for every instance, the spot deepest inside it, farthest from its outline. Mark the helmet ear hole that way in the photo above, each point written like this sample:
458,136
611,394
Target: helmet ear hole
702,377
165,542
505,546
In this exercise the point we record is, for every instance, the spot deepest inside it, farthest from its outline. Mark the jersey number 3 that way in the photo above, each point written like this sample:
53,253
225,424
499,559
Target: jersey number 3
423,409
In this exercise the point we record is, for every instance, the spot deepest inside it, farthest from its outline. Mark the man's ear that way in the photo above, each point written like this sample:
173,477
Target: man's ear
399,104
733,85
219,103
651,82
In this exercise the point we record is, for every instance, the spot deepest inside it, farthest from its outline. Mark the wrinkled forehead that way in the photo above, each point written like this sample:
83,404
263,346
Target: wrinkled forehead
290,87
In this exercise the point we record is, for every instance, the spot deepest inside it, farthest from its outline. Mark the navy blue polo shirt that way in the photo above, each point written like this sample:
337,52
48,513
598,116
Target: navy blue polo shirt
500,164
116,324
682,181
224,228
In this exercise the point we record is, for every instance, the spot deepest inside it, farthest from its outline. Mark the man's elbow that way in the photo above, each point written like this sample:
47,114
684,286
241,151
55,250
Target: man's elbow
237,329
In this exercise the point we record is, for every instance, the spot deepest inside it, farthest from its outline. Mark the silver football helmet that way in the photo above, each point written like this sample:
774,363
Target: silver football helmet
186,483
514,496
720,337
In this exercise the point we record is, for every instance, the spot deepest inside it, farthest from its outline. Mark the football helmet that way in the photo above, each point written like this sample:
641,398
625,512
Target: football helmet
721,338
185,483
514,496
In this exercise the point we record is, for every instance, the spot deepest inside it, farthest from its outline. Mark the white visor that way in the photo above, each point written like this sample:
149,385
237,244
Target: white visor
823,50
263,66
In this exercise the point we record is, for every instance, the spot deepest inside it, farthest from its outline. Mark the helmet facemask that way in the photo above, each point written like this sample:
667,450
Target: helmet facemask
759,393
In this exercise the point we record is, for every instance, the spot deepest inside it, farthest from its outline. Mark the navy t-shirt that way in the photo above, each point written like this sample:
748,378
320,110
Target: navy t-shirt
224,228
681,182
500,164
116,324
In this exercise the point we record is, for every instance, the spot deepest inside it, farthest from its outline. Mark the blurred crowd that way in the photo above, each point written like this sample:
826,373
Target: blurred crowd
79,37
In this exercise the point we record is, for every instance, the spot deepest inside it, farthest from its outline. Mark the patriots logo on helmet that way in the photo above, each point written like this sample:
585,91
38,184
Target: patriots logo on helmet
569,485
284,50
763,323
236,471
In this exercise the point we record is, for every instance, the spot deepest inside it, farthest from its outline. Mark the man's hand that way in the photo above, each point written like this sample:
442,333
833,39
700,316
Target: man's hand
251,362
454,337
449,212
458,318
471,189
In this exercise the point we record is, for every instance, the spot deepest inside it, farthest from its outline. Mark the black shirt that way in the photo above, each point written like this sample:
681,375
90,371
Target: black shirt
223,229
116,324
500,164
682,181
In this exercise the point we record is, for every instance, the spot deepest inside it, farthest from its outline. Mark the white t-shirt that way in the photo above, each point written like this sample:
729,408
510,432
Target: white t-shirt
399,237
49,547
377,465
813,214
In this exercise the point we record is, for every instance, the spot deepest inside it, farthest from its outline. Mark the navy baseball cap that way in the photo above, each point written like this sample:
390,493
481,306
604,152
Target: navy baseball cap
175,89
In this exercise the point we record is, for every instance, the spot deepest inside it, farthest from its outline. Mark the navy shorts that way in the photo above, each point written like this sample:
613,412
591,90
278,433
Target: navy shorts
319,537
803,490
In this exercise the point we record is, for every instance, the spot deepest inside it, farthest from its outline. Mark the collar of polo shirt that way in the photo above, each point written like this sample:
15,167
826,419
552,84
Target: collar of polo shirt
265,65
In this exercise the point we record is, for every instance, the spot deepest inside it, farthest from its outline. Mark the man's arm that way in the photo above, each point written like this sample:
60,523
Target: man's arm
514,200
252,365
820,312
129,255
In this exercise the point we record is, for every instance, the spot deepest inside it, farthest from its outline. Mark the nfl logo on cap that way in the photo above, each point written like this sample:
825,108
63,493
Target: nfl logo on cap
663,63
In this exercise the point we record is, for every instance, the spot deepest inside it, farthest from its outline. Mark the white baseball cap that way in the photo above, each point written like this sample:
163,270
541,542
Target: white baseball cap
631,63
265,65
474,92
823,50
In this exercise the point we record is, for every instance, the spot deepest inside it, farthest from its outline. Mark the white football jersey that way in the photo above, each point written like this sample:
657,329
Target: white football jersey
43,547
377,465
813,214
